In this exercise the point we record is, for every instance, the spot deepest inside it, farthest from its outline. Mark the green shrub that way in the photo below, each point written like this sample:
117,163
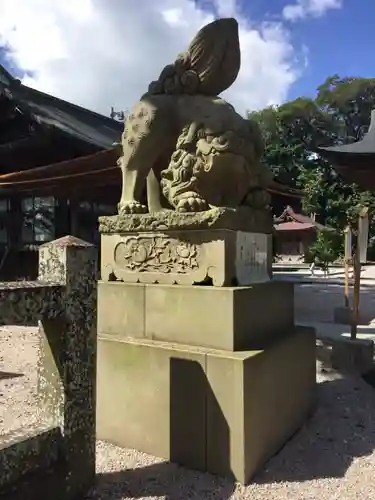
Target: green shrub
327,248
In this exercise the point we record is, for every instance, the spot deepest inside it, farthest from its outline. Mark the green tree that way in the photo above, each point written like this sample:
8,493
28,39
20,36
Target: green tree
294,131
326,249
349,102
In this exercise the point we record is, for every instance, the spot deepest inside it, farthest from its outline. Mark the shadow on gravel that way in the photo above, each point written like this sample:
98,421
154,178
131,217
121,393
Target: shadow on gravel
369,378
341,429
163,480
8,375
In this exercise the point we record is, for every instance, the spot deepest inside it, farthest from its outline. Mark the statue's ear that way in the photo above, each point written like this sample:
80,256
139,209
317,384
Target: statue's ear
215,56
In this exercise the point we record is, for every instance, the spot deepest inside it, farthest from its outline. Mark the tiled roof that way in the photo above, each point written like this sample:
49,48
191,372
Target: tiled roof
294,226
355,162
366,146
295,220
79,122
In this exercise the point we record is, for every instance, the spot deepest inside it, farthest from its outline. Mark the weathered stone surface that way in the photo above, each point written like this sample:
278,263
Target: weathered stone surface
67,361
186,257
64,301
41,484
24,302
236,219
28,450
221,412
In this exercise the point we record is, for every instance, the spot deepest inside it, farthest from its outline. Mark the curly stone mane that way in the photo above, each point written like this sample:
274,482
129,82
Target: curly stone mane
209,66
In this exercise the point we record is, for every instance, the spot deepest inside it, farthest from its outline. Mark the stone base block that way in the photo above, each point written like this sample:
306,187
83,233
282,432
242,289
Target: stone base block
229,318
185,249
221,412
353,356
345,355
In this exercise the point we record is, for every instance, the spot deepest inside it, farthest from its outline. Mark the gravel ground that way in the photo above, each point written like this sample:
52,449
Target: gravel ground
18,382
332,457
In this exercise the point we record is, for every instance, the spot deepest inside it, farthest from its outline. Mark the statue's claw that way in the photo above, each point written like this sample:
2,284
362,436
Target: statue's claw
192,204
131,207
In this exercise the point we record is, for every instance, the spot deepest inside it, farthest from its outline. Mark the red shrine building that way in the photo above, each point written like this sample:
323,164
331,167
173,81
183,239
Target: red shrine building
294,234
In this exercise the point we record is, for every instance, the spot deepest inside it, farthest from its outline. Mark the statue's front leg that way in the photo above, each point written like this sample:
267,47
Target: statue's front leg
144,139
130,202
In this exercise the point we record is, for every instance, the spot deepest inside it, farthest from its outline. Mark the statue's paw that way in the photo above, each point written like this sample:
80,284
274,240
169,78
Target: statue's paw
192,204
131,207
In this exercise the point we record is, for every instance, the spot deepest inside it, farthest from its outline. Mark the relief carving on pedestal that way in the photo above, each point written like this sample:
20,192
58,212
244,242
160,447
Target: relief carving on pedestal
156,254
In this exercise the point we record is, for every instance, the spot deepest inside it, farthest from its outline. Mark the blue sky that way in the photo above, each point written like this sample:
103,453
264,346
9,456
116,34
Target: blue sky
340,40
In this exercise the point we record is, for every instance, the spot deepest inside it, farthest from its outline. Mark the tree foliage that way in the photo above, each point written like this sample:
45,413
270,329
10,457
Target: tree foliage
292,133
325,249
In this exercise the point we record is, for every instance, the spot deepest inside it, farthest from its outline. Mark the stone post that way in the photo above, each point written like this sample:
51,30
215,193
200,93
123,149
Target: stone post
67,358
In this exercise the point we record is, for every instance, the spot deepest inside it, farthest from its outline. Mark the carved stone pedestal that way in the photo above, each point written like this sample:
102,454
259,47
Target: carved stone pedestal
227,246
215,378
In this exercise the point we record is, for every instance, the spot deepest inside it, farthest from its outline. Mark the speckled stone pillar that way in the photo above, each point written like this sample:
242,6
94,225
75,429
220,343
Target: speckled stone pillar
67,360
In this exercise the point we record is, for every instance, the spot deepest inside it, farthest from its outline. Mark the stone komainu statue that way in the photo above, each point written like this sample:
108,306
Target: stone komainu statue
189,147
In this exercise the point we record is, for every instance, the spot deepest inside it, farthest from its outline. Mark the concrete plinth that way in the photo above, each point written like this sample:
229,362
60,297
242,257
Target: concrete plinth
353,356
229,318
213,410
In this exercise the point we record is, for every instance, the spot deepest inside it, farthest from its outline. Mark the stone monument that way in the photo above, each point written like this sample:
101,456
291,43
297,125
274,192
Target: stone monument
199,360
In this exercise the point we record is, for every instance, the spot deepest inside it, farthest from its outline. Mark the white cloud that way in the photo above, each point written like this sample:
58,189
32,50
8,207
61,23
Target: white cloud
309,8
99,53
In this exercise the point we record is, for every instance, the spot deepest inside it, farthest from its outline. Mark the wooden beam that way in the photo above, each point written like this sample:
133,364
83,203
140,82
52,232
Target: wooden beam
347,259
356,293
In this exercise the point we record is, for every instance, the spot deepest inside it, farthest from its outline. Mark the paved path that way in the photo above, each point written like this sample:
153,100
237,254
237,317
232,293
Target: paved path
333,331
316,298
335,276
